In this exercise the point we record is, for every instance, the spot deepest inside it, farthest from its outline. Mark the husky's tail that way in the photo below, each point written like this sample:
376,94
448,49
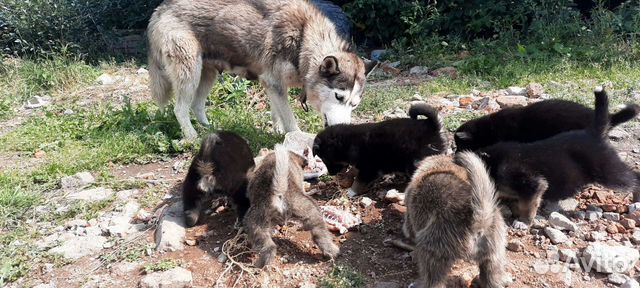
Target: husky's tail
483,191
421,108
280,177
626,114
600,126
204,166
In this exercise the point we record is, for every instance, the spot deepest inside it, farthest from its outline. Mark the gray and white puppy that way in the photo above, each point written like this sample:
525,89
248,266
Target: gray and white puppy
452,214
277,194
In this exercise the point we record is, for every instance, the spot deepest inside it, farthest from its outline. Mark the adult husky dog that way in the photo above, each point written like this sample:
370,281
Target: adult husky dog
282,43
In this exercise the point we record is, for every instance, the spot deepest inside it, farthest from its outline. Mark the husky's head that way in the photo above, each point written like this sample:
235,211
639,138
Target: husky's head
335,87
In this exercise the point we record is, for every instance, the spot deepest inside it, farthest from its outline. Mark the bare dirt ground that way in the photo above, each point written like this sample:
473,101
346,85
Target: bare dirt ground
299,262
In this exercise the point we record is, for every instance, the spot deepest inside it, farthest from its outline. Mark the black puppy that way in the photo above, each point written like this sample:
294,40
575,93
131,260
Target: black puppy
219,168
534,122
558,167
376,148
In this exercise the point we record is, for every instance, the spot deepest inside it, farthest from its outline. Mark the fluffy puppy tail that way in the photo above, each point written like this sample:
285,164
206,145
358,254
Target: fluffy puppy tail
280,178
204,166
483,191
601,123
421,108
626,114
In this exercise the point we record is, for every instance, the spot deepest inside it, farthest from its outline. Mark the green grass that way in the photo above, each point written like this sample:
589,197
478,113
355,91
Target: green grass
162,265
22,79
341,276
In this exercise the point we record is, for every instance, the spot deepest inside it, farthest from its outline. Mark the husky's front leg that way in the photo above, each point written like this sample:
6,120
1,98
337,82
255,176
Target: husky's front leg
283,119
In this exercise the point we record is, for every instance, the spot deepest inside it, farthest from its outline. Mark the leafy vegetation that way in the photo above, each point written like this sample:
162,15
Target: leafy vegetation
162,265
341,276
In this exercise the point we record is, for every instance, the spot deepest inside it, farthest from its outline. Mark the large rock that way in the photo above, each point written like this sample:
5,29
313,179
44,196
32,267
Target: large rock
78,247
511,101
91,195
514,90
37,102
535,90
79,180
419,70
556,236
561,222
106,79
171,232
175,278
609,259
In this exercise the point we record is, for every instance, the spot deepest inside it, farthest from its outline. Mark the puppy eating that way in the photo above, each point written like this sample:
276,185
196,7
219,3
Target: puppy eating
379,148
534,122
558,167
452,214
219,169
277,194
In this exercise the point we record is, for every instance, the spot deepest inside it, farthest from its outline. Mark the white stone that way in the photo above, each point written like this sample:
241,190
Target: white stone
514,90
106,79
609,259
419,70
76,181
611,216
170,234
511,101
131,209
617,278
79,247
593,215
561,222
556,236
567,255
366,202
631,283
142,71
519,225
91,195
126,194
175,278
37,102
635,237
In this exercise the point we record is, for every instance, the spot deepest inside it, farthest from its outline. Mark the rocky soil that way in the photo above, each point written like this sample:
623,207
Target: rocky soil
591,240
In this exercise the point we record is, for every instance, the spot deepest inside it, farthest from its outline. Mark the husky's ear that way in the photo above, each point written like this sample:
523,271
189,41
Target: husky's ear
463,135
369,66
329,66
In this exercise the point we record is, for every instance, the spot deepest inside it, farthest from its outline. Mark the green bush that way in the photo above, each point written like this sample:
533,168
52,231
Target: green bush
39,27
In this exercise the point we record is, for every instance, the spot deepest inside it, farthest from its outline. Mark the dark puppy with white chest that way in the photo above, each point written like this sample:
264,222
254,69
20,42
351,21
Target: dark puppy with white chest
219,169
378,148
531,123
558,167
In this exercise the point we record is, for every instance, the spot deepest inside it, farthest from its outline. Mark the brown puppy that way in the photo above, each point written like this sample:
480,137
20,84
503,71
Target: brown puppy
451,214
277,194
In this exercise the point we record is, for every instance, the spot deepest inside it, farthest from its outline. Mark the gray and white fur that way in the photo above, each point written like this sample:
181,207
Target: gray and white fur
277,194
452,214
281,43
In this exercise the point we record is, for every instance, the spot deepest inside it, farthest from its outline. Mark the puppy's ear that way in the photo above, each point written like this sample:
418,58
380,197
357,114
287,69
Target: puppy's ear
464,135
329,66
370,66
